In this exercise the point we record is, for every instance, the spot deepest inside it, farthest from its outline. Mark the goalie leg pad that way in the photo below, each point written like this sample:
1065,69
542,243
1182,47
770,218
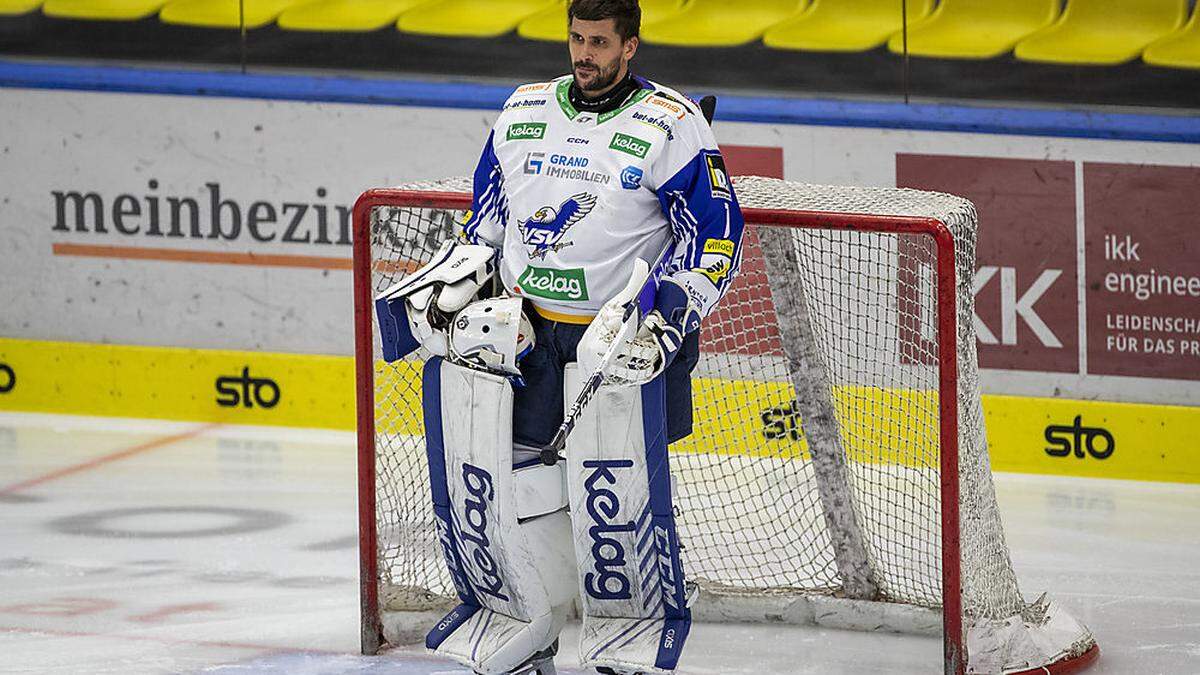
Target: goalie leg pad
635,613
504,533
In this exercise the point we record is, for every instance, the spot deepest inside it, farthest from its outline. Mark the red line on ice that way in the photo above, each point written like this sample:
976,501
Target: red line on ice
107,459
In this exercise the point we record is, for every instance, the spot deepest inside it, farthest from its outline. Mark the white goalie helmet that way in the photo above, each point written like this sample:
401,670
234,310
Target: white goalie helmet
492,335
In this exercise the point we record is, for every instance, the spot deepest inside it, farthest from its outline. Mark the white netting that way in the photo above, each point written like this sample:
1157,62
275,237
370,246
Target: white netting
857,309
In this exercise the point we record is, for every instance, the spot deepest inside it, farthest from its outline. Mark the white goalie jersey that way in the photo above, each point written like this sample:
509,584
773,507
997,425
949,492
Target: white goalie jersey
571,198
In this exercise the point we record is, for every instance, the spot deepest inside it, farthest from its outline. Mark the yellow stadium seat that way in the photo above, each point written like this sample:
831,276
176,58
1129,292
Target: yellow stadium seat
102,10
16,7
345,15
1180,49
718,23
976,29
471,18
551,24
223,13
844,25
1103,32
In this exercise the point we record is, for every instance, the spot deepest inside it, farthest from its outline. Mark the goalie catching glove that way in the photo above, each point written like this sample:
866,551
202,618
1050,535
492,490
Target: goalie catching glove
646,353
417,310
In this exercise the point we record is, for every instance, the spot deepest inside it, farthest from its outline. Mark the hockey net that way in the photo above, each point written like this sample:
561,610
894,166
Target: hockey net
838,472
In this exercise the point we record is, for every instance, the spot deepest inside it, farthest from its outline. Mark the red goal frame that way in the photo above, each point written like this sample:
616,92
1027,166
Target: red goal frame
954,651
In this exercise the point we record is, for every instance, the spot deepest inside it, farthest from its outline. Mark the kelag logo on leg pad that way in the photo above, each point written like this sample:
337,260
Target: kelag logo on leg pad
607,582
481,492
8,378
1097,441
247,391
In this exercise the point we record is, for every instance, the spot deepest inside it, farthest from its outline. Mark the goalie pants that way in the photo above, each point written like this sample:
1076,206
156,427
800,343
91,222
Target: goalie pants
538,406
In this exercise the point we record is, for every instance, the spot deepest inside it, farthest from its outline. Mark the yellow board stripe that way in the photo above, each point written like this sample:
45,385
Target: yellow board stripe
1030,435
179,384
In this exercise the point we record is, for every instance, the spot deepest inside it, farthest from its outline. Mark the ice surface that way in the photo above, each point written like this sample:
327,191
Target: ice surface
152,547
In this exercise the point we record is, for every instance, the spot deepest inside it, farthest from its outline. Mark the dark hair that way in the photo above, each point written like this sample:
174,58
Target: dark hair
628,14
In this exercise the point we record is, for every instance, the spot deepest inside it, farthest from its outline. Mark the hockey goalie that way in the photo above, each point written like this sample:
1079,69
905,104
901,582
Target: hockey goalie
603,229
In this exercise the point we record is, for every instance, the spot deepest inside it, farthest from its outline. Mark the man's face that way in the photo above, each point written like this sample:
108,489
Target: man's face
598,55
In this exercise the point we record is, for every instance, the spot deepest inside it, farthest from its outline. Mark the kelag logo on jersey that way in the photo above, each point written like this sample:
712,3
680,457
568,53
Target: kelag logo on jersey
545,229
631,178
552,284
527,131
630,145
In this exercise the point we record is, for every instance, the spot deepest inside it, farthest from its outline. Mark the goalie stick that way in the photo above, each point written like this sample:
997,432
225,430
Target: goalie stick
552,453
641,304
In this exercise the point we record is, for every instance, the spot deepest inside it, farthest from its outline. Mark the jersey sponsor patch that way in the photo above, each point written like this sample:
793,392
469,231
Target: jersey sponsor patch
554,284
545,229
631,177
718,177
657,121
716,261
724,246
534,162
563,167
527,131
525,103
538,86
676,109
630,145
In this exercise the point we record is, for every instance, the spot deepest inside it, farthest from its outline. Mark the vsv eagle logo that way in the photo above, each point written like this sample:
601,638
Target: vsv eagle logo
481,491
545,229
607,581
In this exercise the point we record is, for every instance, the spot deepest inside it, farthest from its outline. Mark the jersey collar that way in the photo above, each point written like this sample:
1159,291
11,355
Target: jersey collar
564,102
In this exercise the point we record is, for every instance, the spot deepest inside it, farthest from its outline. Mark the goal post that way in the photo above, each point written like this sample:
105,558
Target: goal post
838,473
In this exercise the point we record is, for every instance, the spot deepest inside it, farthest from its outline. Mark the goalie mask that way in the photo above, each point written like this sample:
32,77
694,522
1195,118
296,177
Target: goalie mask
492,335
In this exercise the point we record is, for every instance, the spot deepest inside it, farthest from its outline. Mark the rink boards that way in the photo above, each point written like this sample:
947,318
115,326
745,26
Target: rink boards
734,417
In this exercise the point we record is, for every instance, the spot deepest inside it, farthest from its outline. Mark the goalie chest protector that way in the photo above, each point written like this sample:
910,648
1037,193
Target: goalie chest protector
572,197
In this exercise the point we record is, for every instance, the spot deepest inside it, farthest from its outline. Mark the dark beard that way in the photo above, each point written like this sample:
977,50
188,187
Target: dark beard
604,78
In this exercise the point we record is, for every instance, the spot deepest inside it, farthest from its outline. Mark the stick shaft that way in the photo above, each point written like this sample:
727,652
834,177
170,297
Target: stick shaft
550,454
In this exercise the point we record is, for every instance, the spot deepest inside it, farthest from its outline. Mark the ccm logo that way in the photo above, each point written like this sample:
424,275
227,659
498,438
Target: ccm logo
8,378
449,620
247,391
1065,440
669,639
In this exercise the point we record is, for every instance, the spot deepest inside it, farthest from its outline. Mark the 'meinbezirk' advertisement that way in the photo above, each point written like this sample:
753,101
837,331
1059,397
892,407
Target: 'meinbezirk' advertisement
209,223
